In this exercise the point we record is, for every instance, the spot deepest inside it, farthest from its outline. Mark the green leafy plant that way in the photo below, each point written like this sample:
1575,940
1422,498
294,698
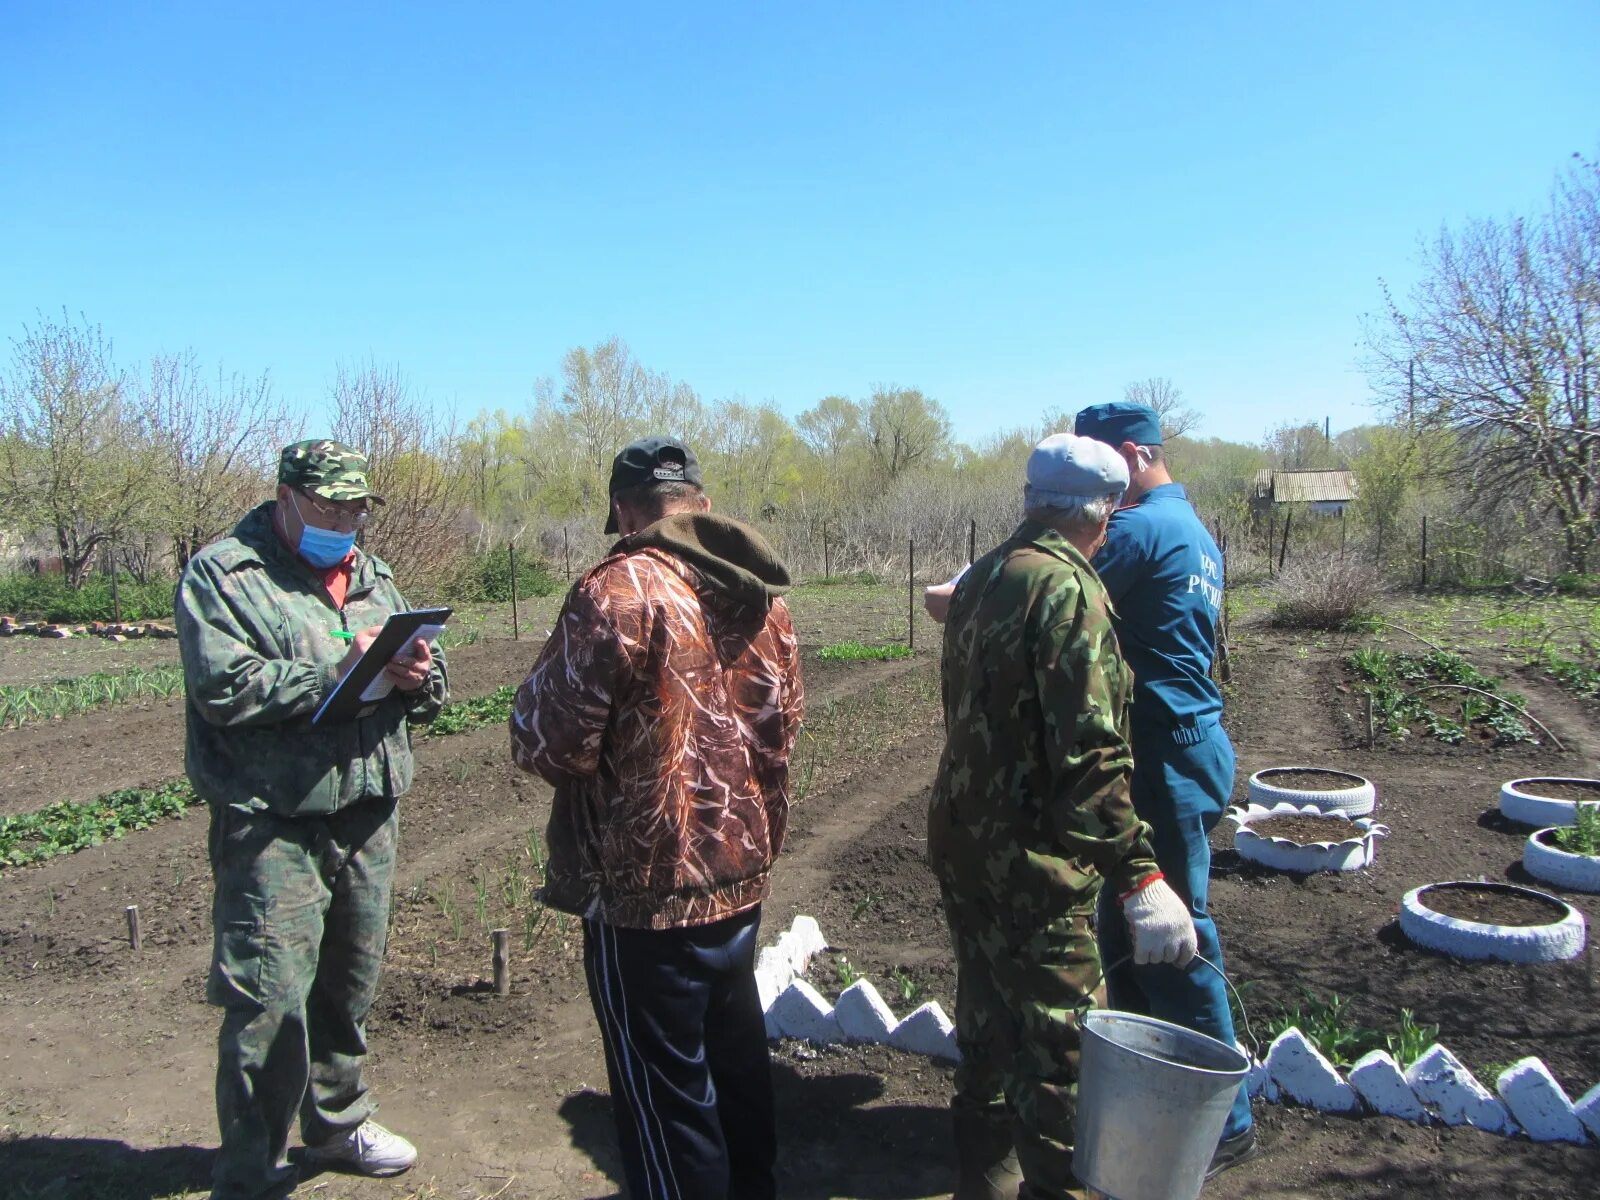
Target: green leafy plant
1411,1040
1328,1026
865,905
68,826
848,975
465,715
1582,837
860,652
1406,698
907,986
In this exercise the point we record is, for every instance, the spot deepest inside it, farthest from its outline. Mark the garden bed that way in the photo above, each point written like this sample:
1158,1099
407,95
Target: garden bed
504,1093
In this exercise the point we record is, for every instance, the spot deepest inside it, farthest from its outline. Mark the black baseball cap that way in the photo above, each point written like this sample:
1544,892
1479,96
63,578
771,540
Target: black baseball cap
652,460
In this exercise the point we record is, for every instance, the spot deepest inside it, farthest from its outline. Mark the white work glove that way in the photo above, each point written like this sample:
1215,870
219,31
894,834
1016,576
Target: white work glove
1163,930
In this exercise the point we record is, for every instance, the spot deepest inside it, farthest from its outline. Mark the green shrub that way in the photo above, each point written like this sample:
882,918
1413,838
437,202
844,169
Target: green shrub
48,598
1571,583
488,577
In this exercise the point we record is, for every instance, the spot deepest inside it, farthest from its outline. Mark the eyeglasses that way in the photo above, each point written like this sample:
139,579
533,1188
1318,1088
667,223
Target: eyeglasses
337,516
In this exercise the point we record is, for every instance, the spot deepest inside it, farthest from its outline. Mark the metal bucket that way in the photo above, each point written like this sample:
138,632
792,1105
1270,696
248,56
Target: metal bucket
1152,1100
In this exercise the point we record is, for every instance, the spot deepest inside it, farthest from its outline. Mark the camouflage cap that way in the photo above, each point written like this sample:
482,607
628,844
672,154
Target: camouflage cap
326,468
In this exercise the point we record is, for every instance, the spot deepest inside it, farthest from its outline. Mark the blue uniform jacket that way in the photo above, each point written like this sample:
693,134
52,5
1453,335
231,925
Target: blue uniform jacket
1163,572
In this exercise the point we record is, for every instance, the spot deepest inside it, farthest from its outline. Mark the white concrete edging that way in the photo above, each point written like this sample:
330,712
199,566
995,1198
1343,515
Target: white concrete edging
1437,1088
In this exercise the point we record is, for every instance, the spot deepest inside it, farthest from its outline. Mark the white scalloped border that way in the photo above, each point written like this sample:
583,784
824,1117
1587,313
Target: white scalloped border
1436,1089
1353,853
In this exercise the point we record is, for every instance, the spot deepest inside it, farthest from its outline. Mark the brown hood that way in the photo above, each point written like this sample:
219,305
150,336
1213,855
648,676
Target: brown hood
731,557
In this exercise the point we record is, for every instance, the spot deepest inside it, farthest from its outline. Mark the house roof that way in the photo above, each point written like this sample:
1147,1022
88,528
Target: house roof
1305,487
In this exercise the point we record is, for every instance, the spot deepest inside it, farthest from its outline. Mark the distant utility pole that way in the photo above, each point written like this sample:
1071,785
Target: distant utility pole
1411,393
1327,430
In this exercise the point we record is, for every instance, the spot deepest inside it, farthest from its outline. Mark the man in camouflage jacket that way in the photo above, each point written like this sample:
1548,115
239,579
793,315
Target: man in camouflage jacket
303,823
664,708
1030,815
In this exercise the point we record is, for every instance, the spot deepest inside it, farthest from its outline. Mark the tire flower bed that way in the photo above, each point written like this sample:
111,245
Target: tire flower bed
1304,839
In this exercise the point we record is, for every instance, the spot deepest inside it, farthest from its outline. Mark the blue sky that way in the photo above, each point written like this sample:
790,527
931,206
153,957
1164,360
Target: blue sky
1010,206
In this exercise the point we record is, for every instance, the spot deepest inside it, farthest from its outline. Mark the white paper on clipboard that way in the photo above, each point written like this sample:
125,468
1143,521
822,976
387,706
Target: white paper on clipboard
381,684
365,682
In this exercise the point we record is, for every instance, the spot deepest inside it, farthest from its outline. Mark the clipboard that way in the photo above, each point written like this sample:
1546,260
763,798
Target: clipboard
365,684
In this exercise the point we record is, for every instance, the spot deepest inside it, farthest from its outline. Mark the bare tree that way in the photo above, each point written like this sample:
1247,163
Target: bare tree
1500,340
410,453
212,449
1161,394
71,456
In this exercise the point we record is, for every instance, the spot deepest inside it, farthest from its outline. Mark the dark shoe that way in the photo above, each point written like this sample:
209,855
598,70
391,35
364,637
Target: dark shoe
1232,1151
985,1160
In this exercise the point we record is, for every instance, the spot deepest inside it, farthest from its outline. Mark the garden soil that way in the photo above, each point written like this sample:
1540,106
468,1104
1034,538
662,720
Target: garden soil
106,1056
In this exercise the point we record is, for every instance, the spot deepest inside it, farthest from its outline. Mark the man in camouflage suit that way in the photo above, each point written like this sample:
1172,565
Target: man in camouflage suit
1030,815
303,823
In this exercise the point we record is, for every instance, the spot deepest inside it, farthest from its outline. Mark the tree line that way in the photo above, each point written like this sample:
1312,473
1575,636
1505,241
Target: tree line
1485,377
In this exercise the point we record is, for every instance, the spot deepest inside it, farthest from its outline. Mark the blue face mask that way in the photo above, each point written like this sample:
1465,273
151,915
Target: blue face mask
322,547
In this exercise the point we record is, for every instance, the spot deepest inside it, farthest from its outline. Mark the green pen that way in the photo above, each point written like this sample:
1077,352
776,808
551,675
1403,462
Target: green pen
343,633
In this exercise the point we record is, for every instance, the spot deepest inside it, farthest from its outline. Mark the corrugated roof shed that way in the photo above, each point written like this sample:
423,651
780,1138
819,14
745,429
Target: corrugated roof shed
1306,487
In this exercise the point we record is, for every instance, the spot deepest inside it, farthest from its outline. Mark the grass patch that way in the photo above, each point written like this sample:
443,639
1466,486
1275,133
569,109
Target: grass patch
860,652
68,826
22,703
858,578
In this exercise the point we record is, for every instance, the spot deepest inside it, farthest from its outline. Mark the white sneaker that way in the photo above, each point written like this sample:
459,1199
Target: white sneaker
368,1149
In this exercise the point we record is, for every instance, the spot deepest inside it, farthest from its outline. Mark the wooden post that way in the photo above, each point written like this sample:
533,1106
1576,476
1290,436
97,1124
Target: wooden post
566,553
1288,519
1341,535
1272,534
116,599
972,542
511,553
134,941
1424,549
502,961
827,572
911,593
1371,731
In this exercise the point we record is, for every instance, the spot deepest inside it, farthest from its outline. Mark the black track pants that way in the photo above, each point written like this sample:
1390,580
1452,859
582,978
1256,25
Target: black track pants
686,1051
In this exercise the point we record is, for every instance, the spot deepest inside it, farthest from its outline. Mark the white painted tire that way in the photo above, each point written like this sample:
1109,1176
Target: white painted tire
1357,800
1575,872
1561,939
1350,853
1526,808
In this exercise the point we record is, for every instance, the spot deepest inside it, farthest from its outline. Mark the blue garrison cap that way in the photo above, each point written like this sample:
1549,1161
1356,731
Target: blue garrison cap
1120,421
1065,466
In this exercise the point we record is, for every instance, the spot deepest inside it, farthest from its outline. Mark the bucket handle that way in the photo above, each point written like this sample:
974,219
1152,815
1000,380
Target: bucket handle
1244,1016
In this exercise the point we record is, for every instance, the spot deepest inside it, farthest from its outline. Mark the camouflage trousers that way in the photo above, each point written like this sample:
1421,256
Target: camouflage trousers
300,917
1018,993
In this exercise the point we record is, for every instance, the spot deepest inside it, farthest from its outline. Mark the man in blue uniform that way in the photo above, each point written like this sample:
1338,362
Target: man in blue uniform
1163,573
